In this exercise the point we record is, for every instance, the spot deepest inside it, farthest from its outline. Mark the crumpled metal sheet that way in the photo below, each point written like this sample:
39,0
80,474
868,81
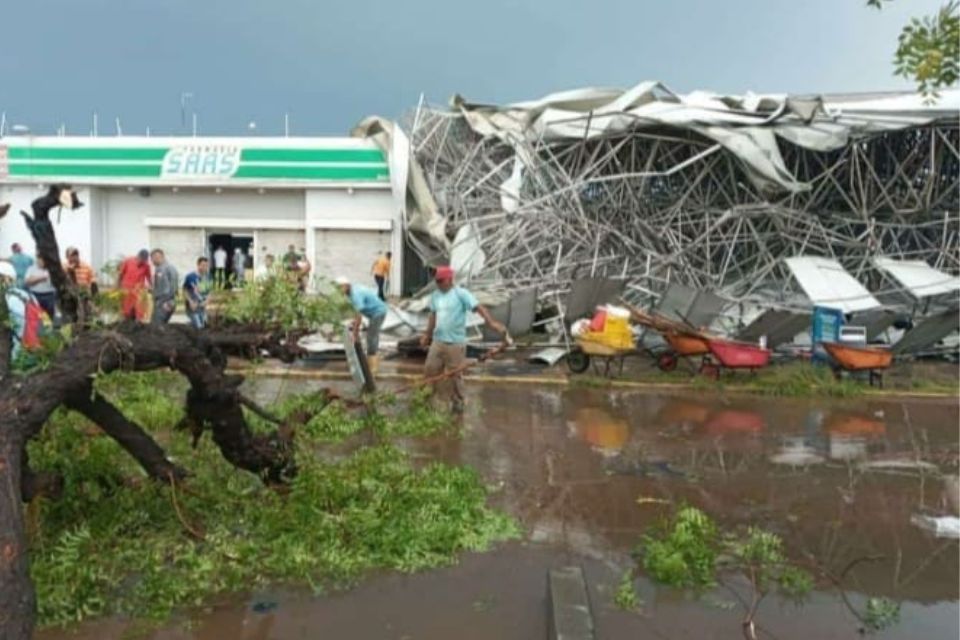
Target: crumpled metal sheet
748,126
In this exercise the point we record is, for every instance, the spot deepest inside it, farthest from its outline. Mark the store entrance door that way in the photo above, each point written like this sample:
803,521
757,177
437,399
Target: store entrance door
230,268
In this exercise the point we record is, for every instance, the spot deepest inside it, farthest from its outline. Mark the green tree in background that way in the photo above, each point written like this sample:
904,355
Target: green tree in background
928,49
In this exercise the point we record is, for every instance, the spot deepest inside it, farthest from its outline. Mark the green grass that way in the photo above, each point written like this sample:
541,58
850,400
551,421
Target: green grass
113,543
804,379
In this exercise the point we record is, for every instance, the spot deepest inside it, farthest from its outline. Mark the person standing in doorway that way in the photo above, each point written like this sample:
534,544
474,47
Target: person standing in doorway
20,261
165,282
381,271
239,266
220,266
367,305
195,287
39,284
446,333
133,279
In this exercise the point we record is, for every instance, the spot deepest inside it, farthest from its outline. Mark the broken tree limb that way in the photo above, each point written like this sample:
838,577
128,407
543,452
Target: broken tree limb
128,435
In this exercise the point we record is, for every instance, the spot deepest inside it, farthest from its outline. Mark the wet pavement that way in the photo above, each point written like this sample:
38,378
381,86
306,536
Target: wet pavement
587,471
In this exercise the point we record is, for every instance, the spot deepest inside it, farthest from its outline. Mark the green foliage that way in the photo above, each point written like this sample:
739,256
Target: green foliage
881,613
689,551
683,552
802,379
114,544
795,582
276,301
626,596
386,415
928,49
417,417
760,555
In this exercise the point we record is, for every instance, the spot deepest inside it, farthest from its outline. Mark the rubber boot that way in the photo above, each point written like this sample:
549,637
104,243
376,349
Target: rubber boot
373,363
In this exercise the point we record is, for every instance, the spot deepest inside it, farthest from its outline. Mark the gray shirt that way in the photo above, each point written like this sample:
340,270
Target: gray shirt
44,286
165,282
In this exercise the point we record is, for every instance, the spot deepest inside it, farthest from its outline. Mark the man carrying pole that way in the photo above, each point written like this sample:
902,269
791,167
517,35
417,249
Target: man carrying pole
446,333
367,304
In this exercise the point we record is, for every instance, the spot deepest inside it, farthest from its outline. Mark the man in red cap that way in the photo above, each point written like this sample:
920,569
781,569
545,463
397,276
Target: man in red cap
447,330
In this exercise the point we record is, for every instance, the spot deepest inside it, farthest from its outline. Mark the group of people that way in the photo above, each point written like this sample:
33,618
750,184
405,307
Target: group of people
30,274
149,276
237,267
30,294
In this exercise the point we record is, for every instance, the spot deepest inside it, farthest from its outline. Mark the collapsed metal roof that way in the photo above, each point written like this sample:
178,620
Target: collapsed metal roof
654,186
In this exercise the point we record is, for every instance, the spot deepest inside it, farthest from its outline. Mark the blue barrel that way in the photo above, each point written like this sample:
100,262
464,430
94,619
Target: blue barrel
826,328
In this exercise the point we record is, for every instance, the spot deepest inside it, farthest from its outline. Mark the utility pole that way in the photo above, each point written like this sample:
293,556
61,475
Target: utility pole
286,125
184,96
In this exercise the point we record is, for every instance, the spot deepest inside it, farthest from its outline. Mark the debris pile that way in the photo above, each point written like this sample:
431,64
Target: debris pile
707,190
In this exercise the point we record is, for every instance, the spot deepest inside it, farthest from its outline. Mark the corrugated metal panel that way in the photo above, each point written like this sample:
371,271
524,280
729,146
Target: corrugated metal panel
828,284
919,278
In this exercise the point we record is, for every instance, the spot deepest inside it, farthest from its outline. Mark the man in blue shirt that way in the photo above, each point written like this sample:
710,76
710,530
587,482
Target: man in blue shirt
367,303
195,288
447,331
21,263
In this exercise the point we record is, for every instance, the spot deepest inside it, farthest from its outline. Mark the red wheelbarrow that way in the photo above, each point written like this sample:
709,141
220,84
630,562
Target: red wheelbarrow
730,354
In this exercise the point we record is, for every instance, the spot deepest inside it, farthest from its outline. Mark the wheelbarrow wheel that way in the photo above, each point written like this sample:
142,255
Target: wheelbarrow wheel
578,361
667,362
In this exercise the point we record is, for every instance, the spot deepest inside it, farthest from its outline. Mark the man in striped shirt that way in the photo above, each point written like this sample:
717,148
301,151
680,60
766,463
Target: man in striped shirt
79,272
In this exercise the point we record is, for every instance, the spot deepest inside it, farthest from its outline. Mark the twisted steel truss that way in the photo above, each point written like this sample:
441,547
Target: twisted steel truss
662,205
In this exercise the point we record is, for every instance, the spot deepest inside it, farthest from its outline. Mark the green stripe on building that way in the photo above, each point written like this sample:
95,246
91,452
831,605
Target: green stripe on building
311,173
312,155
82,153
130,164
85,170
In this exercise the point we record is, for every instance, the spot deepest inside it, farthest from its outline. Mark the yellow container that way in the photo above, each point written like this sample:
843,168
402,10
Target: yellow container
616,334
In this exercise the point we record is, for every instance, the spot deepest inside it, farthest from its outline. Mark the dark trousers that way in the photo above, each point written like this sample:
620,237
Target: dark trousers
48,302
381,282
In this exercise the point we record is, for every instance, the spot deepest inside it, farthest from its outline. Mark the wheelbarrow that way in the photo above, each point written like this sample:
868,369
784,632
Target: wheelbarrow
873,360
586,352
731,354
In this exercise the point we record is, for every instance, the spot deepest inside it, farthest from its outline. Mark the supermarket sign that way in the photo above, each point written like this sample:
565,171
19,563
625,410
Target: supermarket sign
192,161
201,161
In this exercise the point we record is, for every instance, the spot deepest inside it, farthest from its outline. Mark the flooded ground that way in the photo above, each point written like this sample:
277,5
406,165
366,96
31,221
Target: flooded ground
587,470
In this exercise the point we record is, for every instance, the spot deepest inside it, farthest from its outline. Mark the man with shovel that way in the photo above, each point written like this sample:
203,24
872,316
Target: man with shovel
446,333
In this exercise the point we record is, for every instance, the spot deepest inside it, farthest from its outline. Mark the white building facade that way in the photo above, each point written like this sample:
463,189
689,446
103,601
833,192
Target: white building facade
328,197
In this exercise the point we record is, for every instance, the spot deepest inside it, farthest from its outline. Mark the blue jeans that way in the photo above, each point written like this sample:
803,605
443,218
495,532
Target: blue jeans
198,317
373,334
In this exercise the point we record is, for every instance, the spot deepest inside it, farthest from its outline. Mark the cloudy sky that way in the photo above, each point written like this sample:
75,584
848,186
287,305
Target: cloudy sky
329,63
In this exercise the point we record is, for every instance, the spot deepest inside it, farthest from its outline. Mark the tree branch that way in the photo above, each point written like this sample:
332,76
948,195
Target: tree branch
128,435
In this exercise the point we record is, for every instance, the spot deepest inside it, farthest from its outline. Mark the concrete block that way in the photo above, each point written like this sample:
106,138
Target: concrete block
570,615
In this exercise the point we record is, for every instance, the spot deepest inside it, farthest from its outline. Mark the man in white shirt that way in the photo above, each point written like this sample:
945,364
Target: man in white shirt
220,266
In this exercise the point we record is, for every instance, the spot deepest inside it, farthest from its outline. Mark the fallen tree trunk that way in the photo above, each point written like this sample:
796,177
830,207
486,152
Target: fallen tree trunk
213,404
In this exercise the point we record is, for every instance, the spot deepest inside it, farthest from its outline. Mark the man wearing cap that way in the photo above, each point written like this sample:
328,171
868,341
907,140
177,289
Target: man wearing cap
367,304
133,279
447,331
